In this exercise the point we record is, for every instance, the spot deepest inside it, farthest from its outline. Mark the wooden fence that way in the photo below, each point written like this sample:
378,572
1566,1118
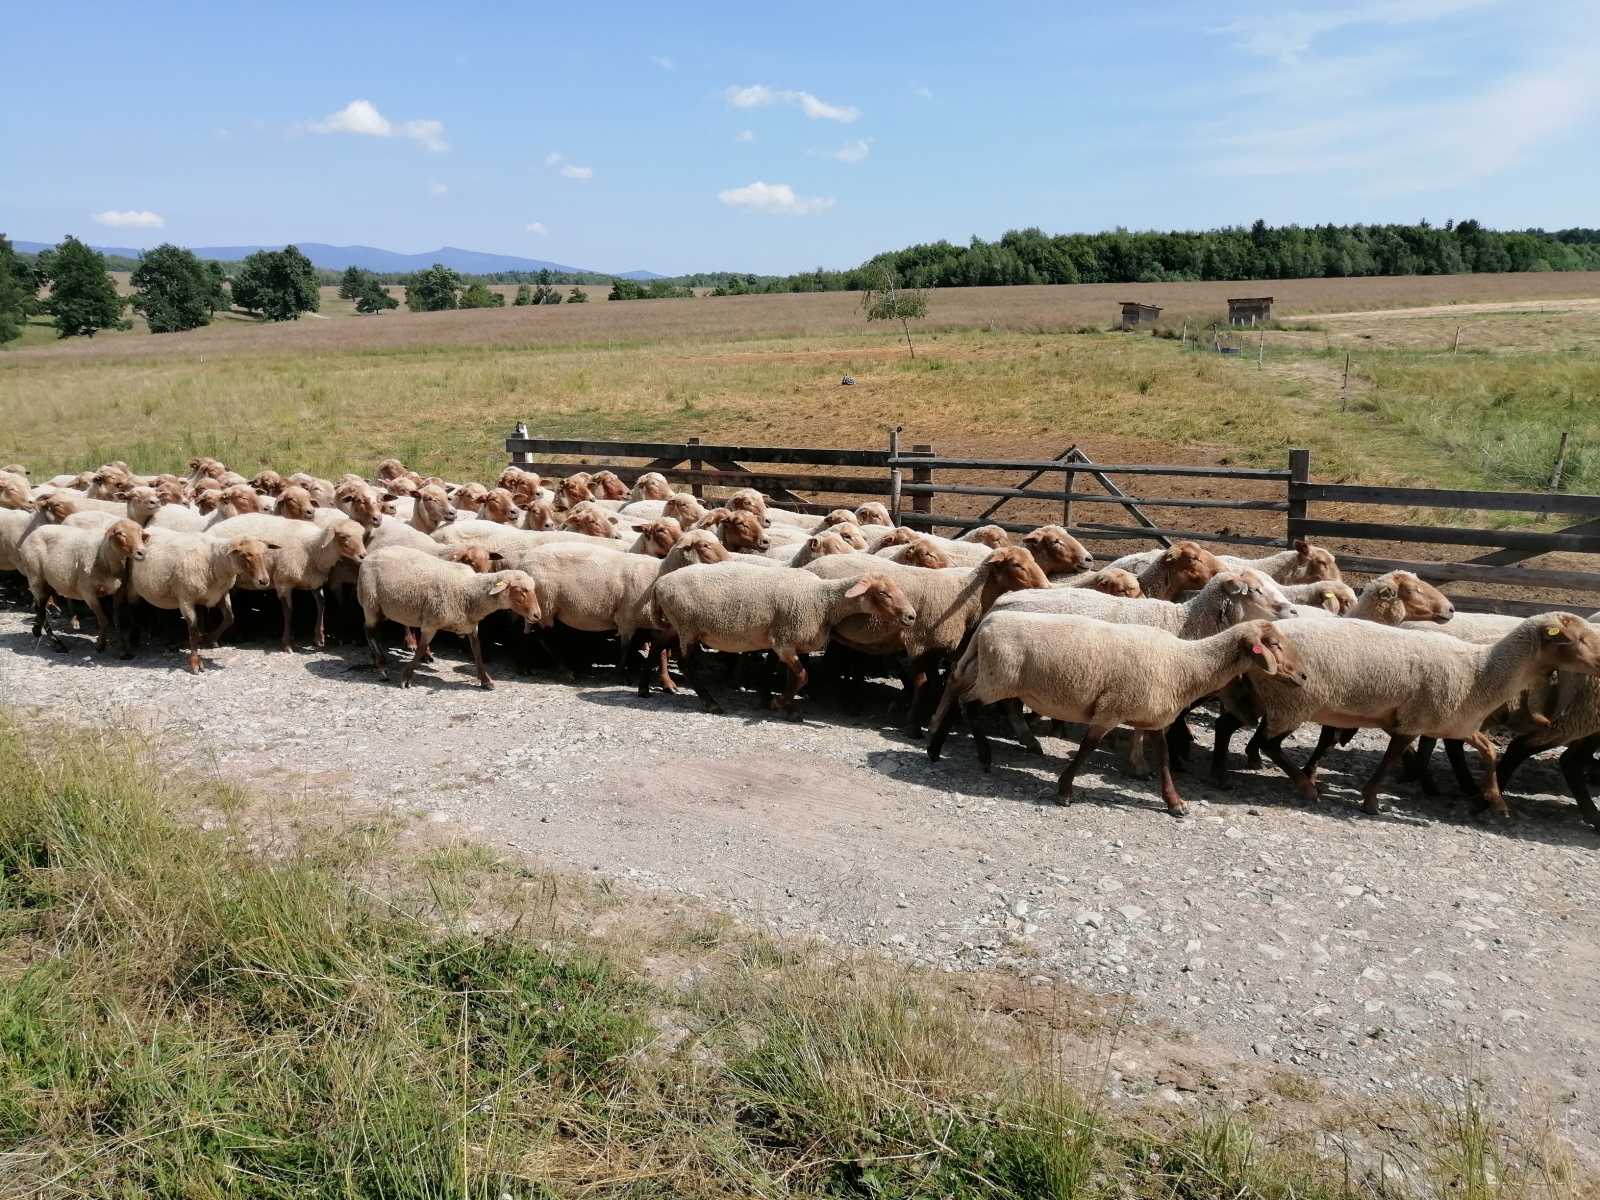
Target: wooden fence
1009,493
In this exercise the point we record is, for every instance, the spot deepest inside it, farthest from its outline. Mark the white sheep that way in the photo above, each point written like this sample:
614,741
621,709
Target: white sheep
425,593
1226,599
306,556
1075,668
731,608
78,564
188,572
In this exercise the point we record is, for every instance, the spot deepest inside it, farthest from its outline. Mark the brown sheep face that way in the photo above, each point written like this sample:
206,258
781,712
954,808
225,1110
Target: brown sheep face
361,503
471,496
660,536
1012,569
820,545
683,508
240,499
127,539
839,516
851,533
252,560
480,558
1056,551
143,503
1269,651
990,535
499,507
269,482
294,503
207,495
572,491
538,514
1313,564
1419,599
390,469
518,590
1188,565
872,513
924,552
902,536
351,540
433,508
1114,581
741,531
589,520
1568,643
58,506
749,500
607,486
882,600
109,484
652,485
171,490
13,494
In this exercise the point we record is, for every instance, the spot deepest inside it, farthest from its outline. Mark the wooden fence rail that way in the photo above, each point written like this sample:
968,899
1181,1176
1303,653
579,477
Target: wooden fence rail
911,479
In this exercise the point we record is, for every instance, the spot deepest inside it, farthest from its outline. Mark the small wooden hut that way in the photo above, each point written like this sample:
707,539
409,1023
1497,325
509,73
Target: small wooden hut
1136,315
1250,310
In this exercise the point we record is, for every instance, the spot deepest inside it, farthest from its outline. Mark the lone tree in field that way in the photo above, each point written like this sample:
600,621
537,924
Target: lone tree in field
524,296
350,283
886,299
577,296
374,297
173,290
278,284
83,299
16,292
478,295
433,290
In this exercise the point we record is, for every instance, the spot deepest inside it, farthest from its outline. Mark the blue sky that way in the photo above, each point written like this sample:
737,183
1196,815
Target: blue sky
682,138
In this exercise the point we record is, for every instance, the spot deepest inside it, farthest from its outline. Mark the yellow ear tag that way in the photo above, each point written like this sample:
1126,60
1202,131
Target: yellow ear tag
1553,631
1327,595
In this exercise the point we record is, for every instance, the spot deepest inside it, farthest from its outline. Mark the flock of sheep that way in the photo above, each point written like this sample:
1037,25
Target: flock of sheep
1025,626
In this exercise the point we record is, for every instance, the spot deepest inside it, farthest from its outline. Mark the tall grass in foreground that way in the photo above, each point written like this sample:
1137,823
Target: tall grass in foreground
192,1013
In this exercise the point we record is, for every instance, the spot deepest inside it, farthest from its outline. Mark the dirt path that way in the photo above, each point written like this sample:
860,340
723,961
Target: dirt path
1443,310
1378,955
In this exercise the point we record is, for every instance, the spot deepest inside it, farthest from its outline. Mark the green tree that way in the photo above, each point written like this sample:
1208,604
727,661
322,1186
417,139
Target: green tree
172,289
478,295
83,299
374,297
217,288
433,289
885,298
16,292
543,294
524,295
577,296
278,284
351,283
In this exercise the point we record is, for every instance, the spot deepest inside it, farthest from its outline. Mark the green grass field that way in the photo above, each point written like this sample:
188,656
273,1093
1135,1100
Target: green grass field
273,1008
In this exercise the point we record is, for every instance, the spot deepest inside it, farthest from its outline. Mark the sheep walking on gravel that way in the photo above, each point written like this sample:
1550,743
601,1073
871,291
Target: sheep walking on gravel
424,592
63,562
307,554
1075,668
731,608
189,572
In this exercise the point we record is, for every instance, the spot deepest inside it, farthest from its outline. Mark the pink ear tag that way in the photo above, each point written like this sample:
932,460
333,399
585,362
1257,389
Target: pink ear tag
1256,649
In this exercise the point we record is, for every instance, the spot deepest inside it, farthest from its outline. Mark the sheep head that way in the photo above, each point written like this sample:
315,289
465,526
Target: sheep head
740,530
608,486
751,501
923,552
1114,581
1313,564
652,485
269,482
989,535
1009,569
660,536
872,513
294,503
1402,596
1567,643
881,599
1265,648
572,491
517,593
480,558
143,503
1186,565
126,539
498,506
1056,551
538,514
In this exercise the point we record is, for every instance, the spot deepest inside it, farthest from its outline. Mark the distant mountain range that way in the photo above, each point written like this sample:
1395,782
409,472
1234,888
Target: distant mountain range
371,258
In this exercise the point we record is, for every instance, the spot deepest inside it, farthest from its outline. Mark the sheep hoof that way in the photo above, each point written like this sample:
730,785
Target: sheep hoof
1370,806
486,683
1179,810
1253,761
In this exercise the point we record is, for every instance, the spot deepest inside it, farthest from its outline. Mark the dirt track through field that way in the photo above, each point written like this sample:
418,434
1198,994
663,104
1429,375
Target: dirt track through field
1378,955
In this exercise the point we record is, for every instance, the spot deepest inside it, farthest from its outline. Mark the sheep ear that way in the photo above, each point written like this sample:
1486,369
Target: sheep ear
499,587
1265,656
859,588
493,557
272,546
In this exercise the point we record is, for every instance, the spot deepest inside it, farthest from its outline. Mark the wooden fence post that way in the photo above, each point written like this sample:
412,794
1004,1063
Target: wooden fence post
1261,348
1299,473
921,502
1561,463
1456,345
1067,480
695,464
894,475
520,457
1344,388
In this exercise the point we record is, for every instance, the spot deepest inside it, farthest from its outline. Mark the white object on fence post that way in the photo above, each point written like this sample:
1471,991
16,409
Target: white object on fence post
520,457
894,475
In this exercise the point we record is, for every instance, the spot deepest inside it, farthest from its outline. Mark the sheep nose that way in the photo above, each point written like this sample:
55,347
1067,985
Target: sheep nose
908,618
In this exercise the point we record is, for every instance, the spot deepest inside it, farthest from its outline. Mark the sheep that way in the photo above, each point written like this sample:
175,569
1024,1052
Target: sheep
307,553
78,564
19,524
873,512
1113,581
1182,567
1413,684
499,506
987,535
730,608
425,593
1076,668
1332,597
391,469
1574,704
187,572
469,497
1226,599
574,489
14,492
172,490
1056,551
811,548
917,550
652,485
590,519
322,490
851,533
1301,563
657,538
739,530
607,486
142,504
961,554
294,503
431,509
269,482
683,508
751,501
538,515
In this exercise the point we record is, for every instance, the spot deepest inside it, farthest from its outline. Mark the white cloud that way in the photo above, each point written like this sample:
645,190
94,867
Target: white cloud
221,135
435,188
1285,34
745,135
775,198
855,151
362,117
552,158
129,219
573,171
922,92
759,95
662,61
537,227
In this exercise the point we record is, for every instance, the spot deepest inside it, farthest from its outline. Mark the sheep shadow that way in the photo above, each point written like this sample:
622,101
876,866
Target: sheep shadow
430,676
80,653
1001,782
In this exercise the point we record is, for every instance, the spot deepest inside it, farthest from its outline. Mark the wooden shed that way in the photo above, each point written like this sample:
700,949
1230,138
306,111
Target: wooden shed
1250,310
1135,314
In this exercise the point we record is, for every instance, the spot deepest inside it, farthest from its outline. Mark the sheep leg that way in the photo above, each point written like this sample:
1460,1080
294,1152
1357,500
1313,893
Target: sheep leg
689,655
379,659
286,603
1252,748
41,625
1304,784
226,608
797,680
921,672
1169,790
1518,752
1091,739
1325,741
121,620
1491,798
1574,769
1019,726
1180,738
193,622
1398,744
628,653
1222,734
102,625
943,717
416,657
1417,768
1455,749
321,639
663,663
477,660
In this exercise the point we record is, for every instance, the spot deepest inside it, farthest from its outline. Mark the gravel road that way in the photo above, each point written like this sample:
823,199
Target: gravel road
1378,954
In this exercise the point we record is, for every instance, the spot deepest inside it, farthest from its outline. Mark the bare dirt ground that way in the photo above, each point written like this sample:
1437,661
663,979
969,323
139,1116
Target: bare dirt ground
1377,955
